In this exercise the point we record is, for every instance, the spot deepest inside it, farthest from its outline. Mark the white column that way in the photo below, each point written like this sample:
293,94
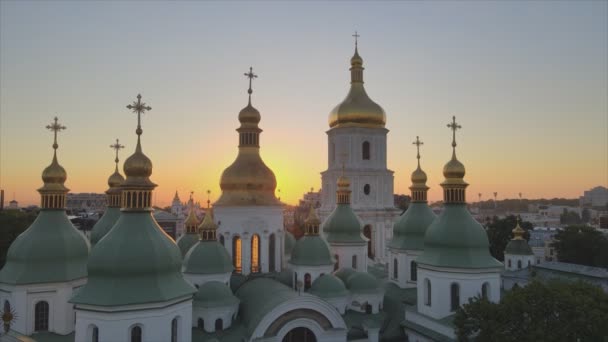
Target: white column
264,261
246,253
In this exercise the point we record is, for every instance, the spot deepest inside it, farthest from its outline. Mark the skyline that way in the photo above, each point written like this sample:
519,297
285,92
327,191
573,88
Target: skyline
529,105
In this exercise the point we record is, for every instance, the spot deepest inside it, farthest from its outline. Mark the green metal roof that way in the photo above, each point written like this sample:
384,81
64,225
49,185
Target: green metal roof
214,294
455,239
362,282
344,273
208,257
409,230
258,297
518,247
105,223
50,250
311,250
328,286
343,226
290,242
135,263
186,241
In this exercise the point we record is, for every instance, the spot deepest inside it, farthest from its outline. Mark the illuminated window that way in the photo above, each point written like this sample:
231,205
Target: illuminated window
255,253
237,254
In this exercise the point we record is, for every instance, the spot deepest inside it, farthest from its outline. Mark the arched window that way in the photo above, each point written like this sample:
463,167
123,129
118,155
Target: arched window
367,189
413,271
295,281
255,253
395,269
93,332
365,150
41,316
354,262
427,292
485,290
237,256
337,264
509,262
519,264
136,334
271,253
367,232
307,281
200,324
454,297
219,324
300,334
528,262
174,330
222,239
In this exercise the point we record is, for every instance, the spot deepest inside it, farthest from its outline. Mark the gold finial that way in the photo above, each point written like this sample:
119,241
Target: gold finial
518,232
139,108
454,126
250,75
191,193
116,147
356,35
208,198
55,127
418,143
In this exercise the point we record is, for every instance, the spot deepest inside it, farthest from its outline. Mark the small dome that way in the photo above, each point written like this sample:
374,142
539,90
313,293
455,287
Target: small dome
214,294
207,257
409,229
312,219
344,273
54,173
343,225
208,221
186,241
356,60
362,282
419,176
311,251
328,286
249,115
191,220
138,164
290,242
104,225
518,247
115,180
343,182
454,168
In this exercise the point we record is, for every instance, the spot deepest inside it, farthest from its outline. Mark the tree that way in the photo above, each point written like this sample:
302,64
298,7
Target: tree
569,217
12,223
586,215
580,244
499,234
553,311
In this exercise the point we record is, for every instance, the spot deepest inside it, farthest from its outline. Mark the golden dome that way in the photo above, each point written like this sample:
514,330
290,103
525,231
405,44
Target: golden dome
357,109
312,219
249,115
518,232
115,179
454,168
54,173
343,182
138,164
419,176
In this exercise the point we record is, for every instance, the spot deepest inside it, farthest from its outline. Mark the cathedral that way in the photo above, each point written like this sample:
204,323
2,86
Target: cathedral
237,274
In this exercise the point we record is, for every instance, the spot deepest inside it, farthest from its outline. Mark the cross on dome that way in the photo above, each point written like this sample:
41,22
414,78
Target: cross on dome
250,75
116,146
55,127
139,108
418,143
454,126
356,35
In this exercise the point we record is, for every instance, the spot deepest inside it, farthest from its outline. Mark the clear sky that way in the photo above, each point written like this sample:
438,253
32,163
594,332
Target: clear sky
528,81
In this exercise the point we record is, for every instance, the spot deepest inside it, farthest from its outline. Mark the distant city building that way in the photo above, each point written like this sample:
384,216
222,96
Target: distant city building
541,239
13,205
86,201
167,221
596,197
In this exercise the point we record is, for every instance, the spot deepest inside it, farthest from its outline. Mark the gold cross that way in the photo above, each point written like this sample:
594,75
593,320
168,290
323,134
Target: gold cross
454,126
250,75
356,35
55,127
418,143
139,108
117,146
208,200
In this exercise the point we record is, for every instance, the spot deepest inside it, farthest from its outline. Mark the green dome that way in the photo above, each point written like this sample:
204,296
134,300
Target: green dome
518,247
50,250
105,223
311,251
344,274
343,226
135,263
362,282
208,257
290,242
409,230
186,241
328,286
455,239
214,294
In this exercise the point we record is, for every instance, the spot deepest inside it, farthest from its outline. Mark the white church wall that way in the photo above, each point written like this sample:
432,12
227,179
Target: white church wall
516,262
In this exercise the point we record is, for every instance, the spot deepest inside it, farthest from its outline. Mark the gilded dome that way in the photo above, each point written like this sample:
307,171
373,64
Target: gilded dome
138,164
115,180
343,182
249,115
54,173
208,221
454,168
419,176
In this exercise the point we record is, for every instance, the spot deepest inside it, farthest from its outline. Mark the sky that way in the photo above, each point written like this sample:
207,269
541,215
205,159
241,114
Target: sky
528,82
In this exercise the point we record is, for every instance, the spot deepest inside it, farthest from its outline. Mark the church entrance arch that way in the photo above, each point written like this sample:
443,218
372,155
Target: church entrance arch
300,334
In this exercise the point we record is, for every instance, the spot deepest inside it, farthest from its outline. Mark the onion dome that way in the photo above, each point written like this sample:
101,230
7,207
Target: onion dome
328,286
51,250
357,109
214,294
186,241
290,242
208,256
248,181
518,245
343,225
344,273
136,262
362,282
455,238
409,229
311,249
110,216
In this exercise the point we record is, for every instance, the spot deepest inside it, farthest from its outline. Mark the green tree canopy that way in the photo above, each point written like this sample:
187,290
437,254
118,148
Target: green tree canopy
499,234
582,245
555,311
12,223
